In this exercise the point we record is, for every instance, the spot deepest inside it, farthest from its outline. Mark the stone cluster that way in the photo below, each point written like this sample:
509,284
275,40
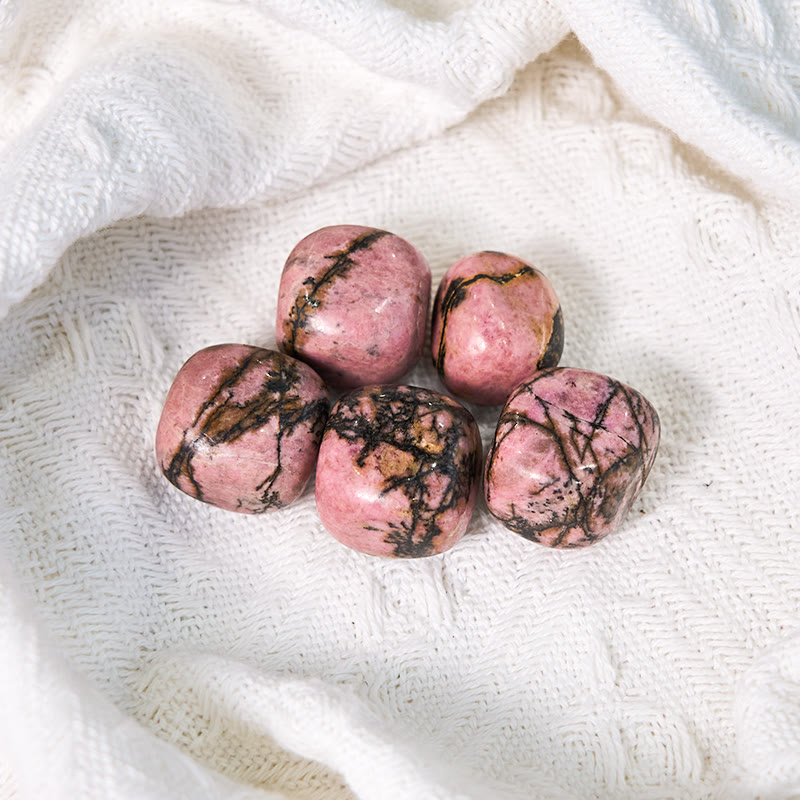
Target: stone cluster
397,466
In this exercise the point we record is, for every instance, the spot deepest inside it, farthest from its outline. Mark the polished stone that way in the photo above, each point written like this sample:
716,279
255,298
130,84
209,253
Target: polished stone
241,427
353,303
571,452
496,320
398,471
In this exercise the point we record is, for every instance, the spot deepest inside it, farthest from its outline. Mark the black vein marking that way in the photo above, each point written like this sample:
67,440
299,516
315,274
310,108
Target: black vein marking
412,434
456,293
594,501
221,420
644,414
316,289
555,344
595,424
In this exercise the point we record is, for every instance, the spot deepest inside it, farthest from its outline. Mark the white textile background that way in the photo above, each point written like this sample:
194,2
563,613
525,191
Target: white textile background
159,161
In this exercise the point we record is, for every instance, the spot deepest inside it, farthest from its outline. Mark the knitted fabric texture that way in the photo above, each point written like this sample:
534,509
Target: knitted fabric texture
158,163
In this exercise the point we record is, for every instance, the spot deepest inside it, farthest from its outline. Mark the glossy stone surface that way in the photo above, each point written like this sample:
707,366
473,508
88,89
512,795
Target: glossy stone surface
241,427
353,303
496,320
571,452
398,471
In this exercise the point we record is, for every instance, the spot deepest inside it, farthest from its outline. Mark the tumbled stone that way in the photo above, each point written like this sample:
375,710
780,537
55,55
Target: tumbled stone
353,303
398,471
496,320
241,427
571,452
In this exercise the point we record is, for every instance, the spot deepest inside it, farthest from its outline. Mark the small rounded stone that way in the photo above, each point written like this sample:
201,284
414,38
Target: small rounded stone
353,303
496,320
398,471
570,454
241,427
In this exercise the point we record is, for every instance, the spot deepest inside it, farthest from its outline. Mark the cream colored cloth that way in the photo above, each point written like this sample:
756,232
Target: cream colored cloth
155,647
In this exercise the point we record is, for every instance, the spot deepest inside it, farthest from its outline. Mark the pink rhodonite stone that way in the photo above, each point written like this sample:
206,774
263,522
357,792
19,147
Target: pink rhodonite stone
353,303
496,320
241,427
571,452
398,471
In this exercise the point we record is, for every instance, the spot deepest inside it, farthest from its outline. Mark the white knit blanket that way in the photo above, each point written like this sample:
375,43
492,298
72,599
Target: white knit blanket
159,160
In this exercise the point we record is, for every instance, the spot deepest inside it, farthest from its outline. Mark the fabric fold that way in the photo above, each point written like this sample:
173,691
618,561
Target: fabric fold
275,98
723,76
68,740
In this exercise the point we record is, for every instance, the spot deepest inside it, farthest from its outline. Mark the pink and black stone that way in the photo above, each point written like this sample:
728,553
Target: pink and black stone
496,320
241,427
571,452
398,471
353,303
